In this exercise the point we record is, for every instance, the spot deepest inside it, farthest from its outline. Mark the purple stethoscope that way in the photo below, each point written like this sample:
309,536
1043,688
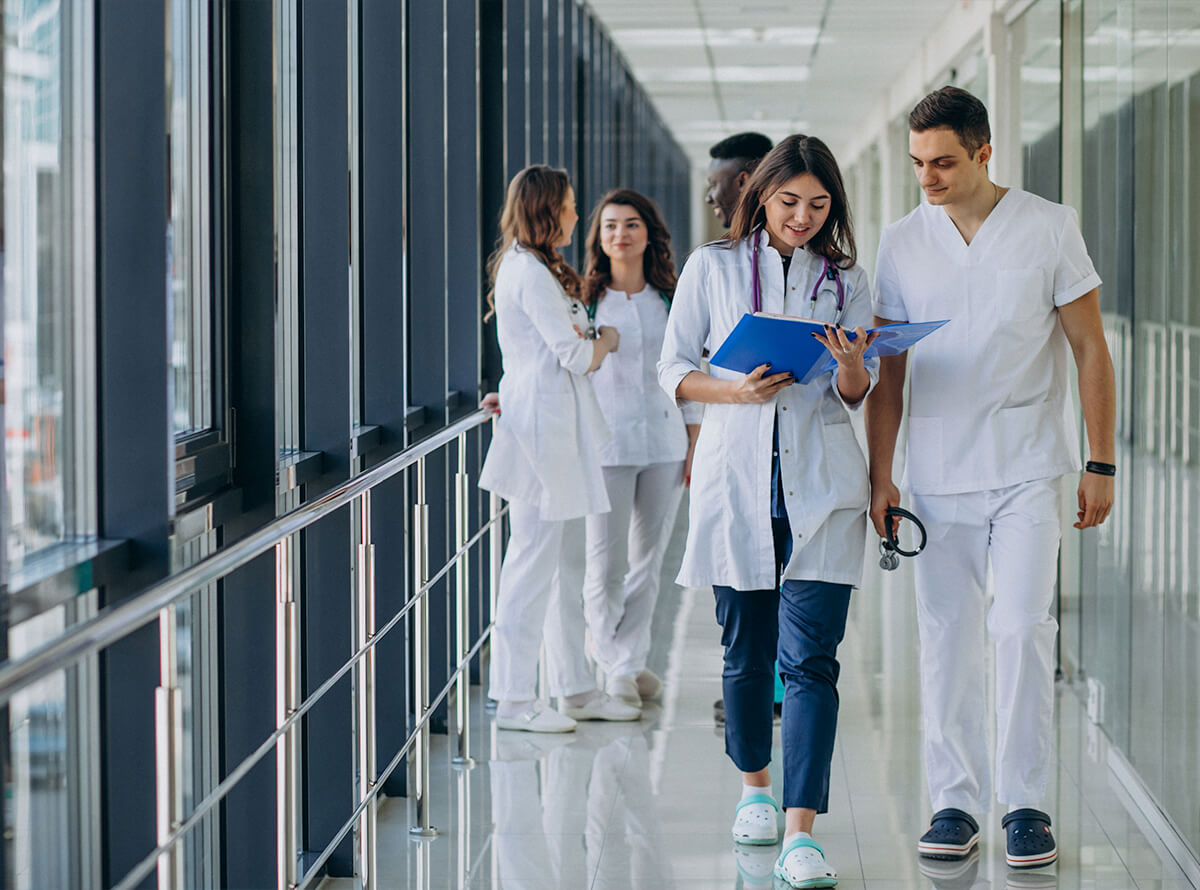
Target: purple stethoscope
829,272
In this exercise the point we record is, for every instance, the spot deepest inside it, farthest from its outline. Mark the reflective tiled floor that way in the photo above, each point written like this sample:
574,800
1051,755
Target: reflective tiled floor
648,805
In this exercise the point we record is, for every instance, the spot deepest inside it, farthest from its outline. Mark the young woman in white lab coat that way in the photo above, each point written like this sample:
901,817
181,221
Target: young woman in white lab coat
544,459
629,283
777,518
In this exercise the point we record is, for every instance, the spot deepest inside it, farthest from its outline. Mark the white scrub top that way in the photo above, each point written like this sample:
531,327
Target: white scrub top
990,400
823,469
647,426
546,442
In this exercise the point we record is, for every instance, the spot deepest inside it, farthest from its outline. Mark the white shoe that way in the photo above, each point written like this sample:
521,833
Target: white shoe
602,706
802,864
538,718
649,686
624,689
756,820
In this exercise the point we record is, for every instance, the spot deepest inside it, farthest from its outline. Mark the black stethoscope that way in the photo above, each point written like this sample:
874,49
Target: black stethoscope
829,272
889,547
590,309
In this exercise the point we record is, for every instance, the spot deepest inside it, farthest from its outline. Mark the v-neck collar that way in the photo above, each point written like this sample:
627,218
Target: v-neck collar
993,221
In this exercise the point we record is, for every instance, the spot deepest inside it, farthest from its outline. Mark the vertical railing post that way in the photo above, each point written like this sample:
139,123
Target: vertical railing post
421,655
168,751
287,697
364,688
461,625
495,553
495,558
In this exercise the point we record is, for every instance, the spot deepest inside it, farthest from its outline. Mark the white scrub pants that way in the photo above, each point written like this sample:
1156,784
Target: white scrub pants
625,549
540,597
1017,530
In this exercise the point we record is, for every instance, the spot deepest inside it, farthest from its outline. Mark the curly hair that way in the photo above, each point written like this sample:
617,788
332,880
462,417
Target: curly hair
530,219
658,262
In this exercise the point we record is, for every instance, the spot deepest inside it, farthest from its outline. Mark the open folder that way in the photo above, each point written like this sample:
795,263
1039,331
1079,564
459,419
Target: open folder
787,344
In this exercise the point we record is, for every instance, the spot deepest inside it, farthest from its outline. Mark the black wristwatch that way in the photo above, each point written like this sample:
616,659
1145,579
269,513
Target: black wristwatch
1099,468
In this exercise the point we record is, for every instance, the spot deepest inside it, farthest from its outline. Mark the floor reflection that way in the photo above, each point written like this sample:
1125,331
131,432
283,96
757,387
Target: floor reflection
560,801
648,805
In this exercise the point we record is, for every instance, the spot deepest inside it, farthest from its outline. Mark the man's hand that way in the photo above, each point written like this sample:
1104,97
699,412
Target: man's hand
883,495
756,388
1095,499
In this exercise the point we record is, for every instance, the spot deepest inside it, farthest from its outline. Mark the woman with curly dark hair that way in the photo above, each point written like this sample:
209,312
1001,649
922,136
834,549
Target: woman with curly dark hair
628,285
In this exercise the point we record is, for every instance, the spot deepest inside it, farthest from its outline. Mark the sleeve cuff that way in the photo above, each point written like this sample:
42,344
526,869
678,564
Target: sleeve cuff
889,311
669,379
693,412
1073,293
872,379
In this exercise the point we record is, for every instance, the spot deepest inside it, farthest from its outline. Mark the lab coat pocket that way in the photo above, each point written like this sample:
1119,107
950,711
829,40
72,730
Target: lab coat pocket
848,467
1021,295
925,461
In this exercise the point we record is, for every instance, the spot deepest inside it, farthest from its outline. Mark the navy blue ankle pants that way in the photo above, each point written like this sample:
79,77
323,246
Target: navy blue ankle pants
801,624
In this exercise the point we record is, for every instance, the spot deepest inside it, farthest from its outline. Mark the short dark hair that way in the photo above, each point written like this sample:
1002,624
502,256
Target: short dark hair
741,146
957,110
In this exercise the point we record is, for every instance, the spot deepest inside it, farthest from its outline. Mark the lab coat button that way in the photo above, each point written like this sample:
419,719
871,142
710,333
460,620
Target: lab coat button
784,407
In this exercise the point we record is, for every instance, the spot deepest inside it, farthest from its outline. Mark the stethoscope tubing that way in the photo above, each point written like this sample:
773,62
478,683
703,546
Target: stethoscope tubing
891,542
829,272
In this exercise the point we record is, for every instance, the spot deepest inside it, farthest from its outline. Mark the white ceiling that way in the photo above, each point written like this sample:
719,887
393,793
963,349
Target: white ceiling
717,67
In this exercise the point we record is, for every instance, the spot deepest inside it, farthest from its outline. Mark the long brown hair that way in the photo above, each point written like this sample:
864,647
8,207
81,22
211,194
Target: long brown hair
658,263
795,156
530,219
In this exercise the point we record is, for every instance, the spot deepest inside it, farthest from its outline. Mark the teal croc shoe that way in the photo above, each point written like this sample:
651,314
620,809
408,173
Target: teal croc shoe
802,865
756,820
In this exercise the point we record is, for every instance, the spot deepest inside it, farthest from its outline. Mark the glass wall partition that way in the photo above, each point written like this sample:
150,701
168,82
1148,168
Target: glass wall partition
46,254
1140,638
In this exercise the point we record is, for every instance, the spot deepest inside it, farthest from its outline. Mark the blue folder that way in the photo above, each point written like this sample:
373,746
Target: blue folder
787,344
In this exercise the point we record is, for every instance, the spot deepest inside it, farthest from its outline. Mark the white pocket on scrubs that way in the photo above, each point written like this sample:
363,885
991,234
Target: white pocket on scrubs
1021,294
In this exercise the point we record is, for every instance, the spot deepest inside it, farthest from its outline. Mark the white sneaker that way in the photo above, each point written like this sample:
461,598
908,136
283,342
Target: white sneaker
538,718
602,706
802,864
649,686
756,820
624,689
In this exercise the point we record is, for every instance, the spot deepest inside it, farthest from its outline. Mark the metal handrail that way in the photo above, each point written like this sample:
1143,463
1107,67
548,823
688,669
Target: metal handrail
113,623
140,871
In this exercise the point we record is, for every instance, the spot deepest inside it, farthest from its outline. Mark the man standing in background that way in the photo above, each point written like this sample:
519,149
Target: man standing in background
733,160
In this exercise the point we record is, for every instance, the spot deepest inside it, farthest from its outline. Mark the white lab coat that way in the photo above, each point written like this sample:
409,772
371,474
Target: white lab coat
647,425
823,468
990,402
546,443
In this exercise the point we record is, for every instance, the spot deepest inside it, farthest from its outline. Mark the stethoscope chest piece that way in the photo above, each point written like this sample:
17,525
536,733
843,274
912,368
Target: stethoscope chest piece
890,550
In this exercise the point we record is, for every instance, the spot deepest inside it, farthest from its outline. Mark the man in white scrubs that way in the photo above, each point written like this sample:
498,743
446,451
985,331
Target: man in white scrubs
990,432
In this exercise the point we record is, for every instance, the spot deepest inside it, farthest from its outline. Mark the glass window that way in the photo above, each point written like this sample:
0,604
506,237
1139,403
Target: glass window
46,253
189,257
1038,35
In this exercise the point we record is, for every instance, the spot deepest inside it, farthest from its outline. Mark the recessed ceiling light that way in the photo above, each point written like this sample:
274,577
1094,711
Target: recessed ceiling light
725,74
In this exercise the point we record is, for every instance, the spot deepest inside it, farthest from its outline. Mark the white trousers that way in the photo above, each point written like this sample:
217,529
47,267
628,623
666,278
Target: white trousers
540,597
625,549
1017,530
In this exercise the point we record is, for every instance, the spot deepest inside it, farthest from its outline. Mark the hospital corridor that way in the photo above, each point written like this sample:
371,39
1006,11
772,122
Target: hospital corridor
600,444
